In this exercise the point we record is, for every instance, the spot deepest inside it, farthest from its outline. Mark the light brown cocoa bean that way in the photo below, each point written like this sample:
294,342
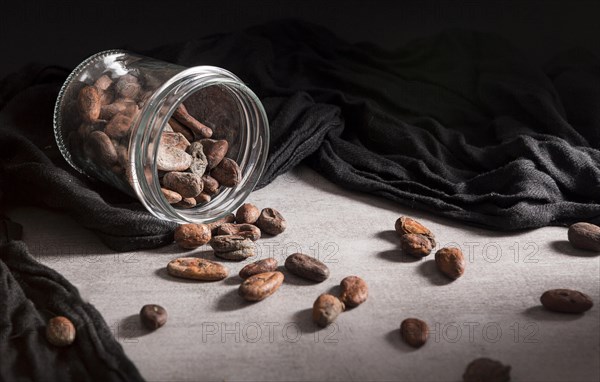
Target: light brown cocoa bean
405,225
191,236
172,159
271,221
249,231
103,82
215,150
199,161
415,245
247,213
89,103
486,370
260,286
354,291
186,184
326,309
414,332
122,106
174,139
60,331
198,129
585,236
451,262
197,269
566,301
227,173
261,266
171,196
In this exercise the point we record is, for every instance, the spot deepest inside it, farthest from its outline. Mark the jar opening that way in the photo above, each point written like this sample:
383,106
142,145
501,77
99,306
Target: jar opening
220,101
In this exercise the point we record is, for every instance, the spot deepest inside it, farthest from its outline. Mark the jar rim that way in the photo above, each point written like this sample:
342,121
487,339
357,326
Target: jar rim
147,130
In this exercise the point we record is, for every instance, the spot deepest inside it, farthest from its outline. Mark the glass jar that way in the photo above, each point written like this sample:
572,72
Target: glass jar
189,143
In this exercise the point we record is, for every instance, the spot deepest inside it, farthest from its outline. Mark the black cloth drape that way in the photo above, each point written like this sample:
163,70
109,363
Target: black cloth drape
460,124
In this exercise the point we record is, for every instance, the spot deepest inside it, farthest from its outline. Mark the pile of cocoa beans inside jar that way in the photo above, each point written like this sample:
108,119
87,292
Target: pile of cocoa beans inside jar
192,167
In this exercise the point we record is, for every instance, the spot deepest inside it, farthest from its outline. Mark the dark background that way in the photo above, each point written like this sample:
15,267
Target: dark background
65,34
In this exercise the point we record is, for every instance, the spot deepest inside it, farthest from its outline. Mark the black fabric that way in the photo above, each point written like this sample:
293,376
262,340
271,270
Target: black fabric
459,124
31,294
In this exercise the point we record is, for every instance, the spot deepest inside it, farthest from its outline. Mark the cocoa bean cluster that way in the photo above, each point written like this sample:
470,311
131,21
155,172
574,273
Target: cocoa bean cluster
192,167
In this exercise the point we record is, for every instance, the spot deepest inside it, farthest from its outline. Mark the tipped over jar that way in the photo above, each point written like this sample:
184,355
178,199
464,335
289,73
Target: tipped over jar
189,143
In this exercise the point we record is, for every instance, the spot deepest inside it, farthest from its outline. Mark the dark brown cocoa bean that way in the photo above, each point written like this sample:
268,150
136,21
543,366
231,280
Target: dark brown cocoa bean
566,301
326,309
227,173
89,103
214,226
247,213
227,243
197,268
100,148
271,221
307,267
191,236
260,286
451,262
60,331
179,128
211,186
354,291
128,86
118,127
202,198
585,236
261,266
486,370
405,225
153,316
250,231
414,332
186,203
186,184
171,196
215,150
415,245
198,129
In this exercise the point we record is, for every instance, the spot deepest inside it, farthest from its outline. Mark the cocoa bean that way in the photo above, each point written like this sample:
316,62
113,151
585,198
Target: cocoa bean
260,286
118,127
326,309
214,226
226,243
227,173
197,269
179,128
89,103
486,370
170,158
405,225
127,86
191,236
271,221
566,301
451,262
261,266
186,203
585,236
415,245
60,331
153,316
186,184
215,150
210,185
174,139
249,231
354,291
307,267
198,129
101,149
199,161
414,332
171,196
247,213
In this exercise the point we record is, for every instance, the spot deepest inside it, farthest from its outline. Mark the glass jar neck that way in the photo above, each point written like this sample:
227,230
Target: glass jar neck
152,121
